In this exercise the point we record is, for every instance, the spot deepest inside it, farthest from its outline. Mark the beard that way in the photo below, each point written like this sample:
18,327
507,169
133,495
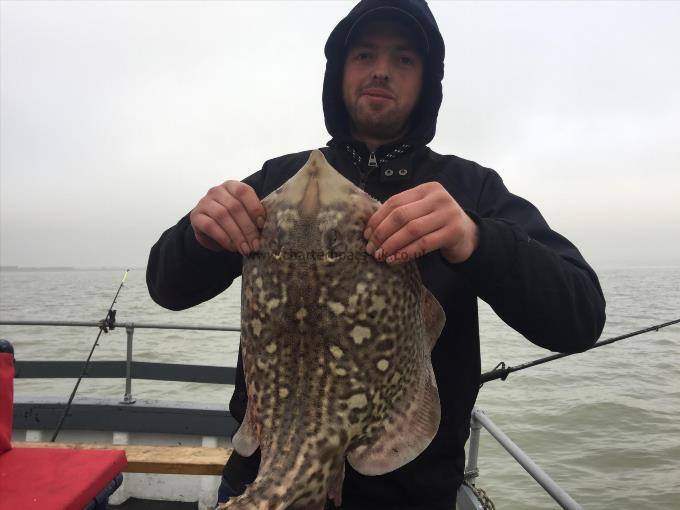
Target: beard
376,121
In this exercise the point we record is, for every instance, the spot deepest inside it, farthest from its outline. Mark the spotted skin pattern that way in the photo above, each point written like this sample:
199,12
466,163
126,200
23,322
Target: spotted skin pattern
336,348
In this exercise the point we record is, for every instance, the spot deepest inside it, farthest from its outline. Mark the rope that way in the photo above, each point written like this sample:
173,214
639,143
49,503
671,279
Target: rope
481,496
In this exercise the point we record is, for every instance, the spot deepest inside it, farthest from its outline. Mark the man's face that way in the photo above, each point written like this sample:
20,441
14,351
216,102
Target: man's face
382,80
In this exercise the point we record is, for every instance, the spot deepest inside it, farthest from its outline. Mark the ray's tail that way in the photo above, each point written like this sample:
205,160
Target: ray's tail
305,487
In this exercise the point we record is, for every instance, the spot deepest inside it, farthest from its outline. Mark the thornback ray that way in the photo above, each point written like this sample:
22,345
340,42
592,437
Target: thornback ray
336,348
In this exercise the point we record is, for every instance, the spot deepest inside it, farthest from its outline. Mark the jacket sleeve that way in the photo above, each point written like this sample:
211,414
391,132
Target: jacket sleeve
533,278
181,273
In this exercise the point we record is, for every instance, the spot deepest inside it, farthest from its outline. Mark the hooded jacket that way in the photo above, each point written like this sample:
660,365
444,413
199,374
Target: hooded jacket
532,277
424,119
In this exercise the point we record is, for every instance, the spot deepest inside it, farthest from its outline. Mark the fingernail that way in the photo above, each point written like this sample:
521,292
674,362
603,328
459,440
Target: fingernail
390,259
379,254
370,248
245,249
260,221
256,245
367,233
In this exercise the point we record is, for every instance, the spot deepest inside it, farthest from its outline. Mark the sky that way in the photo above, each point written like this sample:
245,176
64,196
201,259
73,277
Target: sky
117,117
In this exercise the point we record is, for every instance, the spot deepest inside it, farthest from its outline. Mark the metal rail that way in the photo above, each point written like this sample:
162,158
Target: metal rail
108,369
479,420
139,325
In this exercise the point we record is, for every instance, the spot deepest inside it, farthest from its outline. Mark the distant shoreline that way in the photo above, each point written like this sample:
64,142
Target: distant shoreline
608,265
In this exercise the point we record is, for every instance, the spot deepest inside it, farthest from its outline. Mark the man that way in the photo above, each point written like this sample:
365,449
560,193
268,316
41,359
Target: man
470,236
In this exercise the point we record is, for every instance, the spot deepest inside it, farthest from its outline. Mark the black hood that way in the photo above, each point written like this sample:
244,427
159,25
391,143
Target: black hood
424,119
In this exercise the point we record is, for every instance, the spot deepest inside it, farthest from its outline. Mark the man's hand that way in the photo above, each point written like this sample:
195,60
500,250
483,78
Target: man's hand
228,217
418,221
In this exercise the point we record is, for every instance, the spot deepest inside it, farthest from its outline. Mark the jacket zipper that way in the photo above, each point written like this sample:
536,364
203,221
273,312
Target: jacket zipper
365,172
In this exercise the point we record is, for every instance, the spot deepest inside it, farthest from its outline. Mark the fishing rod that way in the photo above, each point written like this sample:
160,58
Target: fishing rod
501,371
109,322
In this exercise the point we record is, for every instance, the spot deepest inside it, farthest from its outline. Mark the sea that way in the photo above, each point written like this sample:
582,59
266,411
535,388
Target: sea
604,424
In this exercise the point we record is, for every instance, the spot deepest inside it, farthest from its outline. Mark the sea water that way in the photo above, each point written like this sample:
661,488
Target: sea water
604,424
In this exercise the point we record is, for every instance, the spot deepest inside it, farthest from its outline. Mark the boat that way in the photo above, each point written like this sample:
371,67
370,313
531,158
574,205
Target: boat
176,449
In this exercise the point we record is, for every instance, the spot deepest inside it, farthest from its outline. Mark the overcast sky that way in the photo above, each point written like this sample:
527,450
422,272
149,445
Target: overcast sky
116,117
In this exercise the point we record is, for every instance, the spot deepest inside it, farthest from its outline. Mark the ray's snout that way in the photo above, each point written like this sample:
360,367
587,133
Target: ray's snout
316,184
309,206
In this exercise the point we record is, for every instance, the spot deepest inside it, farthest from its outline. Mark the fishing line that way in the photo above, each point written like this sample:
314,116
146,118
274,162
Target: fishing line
109,322
501,371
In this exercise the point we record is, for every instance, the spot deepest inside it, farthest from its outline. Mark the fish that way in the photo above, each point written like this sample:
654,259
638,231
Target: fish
336,348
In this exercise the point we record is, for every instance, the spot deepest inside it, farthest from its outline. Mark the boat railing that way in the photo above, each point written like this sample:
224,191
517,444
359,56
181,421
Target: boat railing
468,498
480,420
129,369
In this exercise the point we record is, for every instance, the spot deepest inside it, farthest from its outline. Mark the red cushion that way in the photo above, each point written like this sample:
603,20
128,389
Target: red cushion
55,478
6,399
